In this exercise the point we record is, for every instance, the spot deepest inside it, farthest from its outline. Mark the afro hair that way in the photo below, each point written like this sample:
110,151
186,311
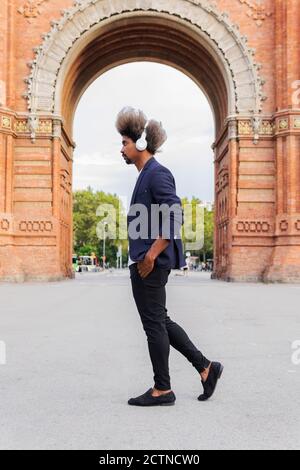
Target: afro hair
131,123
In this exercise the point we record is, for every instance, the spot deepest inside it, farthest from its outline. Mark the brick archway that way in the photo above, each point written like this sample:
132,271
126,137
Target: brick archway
83,23
253,219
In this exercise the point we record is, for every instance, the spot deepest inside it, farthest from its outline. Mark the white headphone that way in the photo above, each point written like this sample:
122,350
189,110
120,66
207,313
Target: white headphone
141,144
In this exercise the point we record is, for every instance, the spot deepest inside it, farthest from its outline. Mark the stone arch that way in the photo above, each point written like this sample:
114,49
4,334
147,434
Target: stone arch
190,35
255,148
77,24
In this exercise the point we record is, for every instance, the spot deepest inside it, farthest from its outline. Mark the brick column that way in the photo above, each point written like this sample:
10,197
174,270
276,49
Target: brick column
285,265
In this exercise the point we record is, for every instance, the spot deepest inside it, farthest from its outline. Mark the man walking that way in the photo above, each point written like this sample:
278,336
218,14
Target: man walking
153,254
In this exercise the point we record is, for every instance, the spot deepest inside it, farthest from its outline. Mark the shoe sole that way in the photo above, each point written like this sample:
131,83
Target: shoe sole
149,406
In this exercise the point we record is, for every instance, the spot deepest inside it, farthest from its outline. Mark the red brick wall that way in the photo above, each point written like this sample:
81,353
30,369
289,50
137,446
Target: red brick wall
257,184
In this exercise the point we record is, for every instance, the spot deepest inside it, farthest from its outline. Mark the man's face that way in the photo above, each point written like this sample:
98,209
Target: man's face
129,151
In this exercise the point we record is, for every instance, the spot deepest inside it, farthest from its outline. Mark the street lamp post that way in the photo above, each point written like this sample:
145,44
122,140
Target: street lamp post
104,238
104,248
119,257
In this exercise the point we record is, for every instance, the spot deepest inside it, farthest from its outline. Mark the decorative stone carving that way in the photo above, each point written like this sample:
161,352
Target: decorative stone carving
245,128
43,126
232,48
5,122
31,9
253,226
33,124
284,225
256,127
297,123
35,226
4,225
65,181
222,180
267,128
21,126
283,124
257,11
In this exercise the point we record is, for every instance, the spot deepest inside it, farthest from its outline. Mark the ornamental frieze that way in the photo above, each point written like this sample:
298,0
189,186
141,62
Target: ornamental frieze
288,124
35,226
253,226
31,226
288,225
44,126
260,127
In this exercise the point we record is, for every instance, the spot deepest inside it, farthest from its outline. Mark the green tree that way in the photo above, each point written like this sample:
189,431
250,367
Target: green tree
86,220
207,251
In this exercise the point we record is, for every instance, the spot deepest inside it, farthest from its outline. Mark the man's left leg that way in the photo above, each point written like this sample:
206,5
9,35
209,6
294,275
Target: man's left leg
150,298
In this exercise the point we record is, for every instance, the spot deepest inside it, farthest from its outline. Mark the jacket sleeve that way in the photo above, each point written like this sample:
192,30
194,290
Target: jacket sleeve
163,190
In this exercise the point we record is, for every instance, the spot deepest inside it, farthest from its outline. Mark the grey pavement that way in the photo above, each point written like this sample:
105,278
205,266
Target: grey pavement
76,351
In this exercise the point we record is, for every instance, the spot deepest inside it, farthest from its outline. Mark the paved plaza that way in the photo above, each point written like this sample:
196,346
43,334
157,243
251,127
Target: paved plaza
76,351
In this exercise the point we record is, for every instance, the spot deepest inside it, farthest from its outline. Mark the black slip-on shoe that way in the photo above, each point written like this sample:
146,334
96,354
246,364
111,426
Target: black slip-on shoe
168,399
210,384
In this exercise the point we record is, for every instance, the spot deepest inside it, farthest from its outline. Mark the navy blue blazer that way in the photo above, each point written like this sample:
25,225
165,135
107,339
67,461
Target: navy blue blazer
156,185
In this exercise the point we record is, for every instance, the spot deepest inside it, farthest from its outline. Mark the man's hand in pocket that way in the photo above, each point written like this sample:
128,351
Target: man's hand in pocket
146,266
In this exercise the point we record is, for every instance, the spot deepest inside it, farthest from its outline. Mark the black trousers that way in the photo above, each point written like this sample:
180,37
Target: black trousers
150,298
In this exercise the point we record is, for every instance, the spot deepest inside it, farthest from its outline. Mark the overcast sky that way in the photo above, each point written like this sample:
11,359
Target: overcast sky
163,93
